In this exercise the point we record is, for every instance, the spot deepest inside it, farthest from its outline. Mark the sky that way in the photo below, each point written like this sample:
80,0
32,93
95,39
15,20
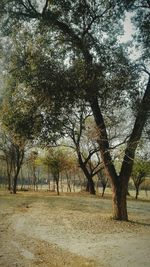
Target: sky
128,29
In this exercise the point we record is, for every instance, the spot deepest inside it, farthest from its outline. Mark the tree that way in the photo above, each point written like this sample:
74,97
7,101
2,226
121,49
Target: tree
77,130
57,161
141,169
5,149
103,180
89,30
141,9
13,149
13,140
32,162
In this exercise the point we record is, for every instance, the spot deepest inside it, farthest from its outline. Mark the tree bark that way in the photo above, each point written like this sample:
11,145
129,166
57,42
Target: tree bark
119,185
103,190
17,166
120,182
9,182
56,178
90,187
137,193
15,184
90,182
57,187
120,202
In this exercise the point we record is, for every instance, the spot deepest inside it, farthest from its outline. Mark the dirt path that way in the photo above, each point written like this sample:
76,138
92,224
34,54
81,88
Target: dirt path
72,232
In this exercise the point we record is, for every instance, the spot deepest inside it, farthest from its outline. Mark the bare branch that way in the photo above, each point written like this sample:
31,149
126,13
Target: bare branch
96,172
90,155
94,19
123,142
31,6
144,69
142,6
45,7
89,26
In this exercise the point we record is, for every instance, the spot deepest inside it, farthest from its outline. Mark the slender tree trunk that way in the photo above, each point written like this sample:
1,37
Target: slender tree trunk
87,187
15,179
137,192
104,184
74,187
68,183
35,182
48,179
56,178
90,183
103,190
9,182
15,184
53,184
91,186
57,187
61,180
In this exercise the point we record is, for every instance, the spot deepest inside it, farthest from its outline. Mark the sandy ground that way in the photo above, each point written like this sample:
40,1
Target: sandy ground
72,231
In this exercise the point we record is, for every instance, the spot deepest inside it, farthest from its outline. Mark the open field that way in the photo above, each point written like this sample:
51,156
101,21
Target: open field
73,230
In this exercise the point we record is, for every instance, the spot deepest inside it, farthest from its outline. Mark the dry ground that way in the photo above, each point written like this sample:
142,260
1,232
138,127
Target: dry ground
41,229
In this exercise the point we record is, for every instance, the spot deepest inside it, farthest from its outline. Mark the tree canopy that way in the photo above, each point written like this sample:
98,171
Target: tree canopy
67,51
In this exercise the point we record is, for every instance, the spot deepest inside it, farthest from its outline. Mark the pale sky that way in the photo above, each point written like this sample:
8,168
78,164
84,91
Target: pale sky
128,29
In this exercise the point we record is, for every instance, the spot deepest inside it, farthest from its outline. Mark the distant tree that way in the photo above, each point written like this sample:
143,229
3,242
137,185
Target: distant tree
13,148
103,179
32,163
70,169
57,161
13,138
141,170
80,140
5,150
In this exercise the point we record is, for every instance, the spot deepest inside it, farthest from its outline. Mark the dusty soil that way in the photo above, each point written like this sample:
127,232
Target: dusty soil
44,230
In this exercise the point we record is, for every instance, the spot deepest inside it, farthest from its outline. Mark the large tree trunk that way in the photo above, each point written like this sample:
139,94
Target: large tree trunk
120,183
90,187
120,201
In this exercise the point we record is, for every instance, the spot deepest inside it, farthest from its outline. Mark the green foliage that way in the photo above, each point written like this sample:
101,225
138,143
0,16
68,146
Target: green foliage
74,32
38,61
141,170
58,159
141,20
20,117
12,147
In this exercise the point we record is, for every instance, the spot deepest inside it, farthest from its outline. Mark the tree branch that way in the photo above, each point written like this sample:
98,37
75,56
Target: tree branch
145,69
45,7
123,142
96,172
31,6
139,124
90,155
